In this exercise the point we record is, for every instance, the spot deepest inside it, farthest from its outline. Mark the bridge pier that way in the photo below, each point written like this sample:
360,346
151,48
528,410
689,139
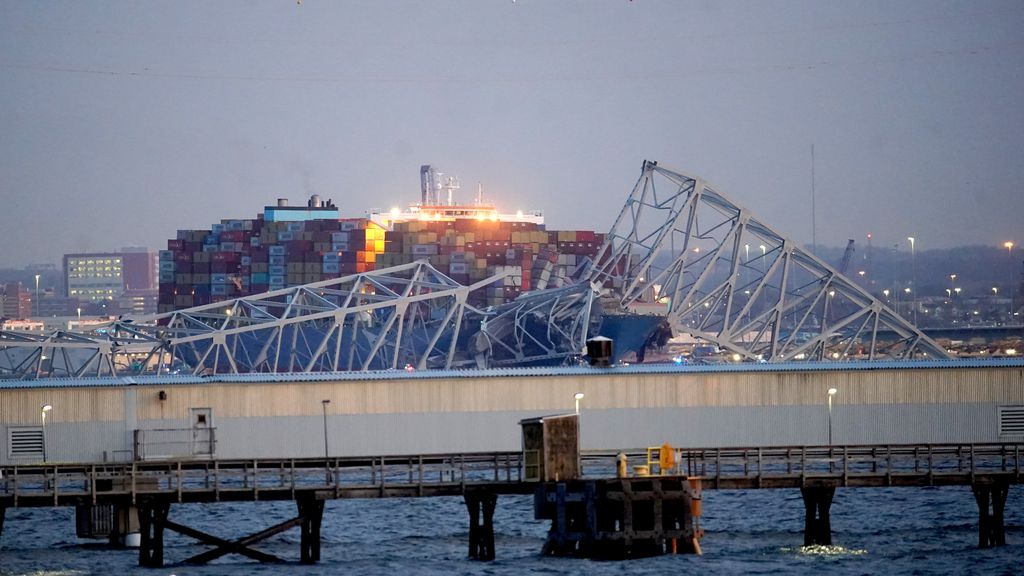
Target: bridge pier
817,523
991,530
481,530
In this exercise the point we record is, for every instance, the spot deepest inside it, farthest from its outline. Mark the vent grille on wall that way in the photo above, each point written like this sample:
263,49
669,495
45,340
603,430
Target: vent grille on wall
1011,421
25,441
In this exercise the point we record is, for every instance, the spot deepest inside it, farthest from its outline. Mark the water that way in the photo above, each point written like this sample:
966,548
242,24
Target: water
875,531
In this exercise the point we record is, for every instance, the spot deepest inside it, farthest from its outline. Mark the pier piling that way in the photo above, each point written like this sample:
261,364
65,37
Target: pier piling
152,519
481,524
991,530
311,511
817,524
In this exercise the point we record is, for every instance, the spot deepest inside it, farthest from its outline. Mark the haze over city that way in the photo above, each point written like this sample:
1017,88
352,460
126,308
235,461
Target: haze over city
123,122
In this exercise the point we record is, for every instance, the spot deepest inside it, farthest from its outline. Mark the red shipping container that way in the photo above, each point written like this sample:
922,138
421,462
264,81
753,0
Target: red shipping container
176,245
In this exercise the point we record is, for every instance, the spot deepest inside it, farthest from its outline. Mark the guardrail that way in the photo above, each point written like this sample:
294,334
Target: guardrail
164,443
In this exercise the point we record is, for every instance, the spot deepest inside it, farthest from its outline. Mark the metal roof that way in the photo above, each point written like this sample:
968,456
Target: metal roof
170,380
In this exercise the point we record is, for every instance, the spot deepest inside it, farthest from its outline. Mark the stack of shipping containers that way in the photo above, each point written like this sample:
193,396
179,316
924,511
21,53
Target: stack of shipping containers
243,257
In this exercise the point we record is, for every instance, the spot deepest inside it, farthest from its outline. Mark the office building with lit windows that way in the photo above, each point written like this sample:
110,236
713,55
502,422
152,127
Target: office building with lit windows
93,277
106,276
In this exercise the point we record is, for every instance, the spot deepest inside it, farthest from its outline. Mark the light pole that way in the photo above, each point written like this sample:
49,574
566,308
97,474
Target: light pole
46,408
764,251
831,393
913,274
35,307
1013,289
578,396
326,450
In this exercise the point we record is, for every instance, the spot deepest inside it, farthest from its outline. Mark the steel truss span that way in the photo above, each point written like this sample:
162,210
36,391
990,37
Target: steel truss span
726,277
409,316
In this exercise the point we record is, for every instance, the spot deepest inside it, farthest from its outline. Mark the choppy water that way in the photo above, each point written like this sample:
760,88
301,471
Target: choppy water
876,531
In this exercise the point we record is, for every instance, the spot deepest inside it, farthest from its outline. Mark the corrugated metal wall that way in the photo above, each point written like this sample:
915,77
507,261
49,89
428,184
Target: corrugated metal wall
444,414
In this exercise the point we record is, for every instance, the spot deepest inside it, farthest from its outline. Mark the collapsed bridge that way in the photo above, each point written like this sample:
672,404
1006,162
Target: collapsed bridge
679,254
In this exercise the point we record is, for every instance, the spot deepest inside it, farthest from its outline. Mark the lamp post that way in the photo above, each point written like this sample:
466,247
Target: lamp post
913,274
1013,289
578,396
326,450
831,393
35,306
46,408
764,251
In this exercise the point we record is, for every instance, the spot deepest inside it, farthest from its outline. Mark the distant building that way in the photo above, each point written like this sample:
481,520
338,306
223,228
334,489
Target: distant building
17,301
138,302
140,269
19,325
50,305
95,279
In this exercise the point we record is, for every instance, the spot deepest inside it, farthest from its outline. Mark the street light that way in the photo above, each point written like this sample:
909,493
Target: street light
326,450
831,393
35,311
1013,290
913,272
578,396
764,251
46,408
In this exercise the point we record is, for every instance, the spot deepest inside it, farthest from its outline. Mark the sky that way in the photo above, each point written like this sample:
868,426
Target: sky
122,122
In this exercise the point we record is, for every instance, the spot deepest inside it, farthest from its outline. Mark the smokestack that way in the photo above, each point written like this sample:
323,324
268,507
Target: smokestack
426,183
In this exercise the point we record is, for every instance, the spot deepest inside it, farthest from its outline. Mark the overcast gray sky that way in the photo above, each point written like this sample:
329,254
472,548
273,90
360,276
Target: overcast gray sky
121,122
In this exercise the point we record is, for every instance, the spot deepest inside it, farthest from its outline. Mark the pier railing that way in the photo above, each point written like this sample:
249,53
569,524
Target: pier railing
261,479
879,465
194,480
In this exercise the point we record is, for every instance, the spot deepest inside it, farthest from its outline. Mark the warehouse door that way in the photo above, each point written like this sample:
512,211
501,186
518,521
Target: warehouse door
202,432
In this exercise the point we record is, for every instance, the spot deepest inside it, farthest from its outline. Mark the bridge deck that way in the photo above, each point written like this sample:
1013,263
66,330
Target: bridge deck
498,472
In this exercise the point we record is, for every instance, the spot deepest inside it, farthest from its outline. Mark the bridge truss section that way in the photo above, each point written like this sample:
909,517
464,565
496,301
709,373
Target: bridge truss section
726,277
538,328
116,349
407,315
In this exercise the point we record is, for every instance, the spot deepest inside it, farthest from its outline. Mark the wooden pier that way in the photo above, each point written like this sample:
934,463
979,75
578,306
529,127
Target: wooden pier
148,490
989,469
